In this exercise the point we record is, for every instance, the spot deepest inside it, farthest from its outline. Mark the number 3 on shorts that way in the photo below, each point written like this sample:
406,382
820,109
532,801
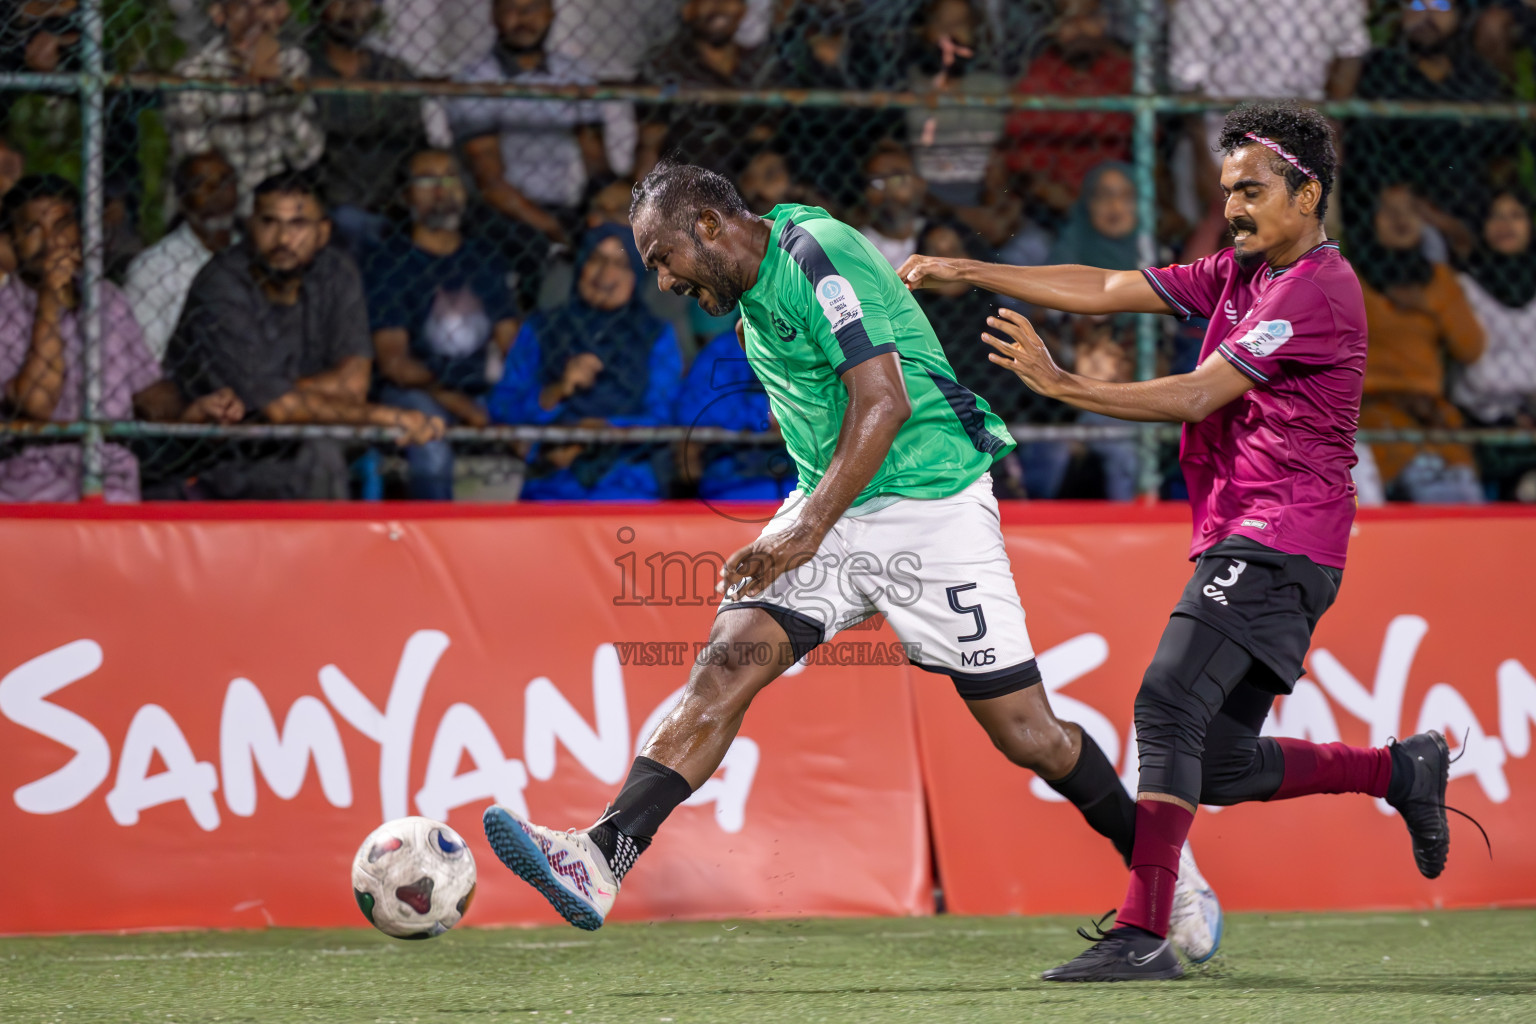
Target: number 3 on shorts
973,610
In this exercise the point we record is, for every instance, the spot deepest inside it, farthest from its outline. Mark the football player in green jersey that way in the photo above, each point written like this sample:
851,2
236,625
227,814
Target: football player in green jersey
894,514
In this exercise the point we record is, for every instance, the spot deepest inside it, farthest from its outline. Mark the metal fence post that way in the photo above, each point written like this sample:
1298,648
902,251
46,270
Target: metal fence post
93,200
1144,155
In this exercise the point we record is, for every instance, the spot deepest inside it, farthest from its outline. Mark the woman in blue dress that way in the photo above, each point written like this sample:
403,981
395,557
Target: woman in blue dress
602,359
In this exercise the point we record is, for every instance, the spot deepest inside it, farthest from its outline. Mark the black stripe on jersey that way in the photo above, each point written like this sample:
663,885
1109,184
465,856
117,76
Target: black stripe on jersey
1182,311
1242,365
817,266
963,401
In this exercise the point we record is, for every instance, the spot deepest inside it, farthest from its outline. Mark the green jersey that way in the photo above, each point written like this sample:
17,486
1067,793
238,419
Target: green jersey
826,300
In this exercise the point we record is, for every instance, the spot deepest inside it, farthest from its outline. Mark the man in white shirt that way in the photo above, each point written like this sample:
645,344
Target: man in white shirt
532,158
1253,49
611,37
160,276
435,38
1310,50
261,130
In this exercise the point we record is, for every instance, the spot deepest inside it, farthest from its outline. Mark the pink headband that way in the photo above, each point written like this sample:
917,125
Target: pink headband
1281,151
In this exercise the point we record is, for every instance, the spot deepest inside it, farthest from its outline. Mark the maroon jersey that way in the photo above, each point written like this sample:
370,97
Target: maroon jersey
1274,465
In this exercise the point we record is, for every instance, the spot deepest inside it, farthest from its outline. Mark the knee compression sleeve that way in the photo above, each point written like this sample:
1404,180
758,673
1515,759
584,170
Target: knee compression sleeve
1196,667
1239,764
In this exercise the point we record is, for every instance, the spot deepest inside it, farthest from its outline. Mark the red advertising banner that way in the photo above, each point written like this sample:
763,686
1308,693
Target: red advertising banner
204,711
1432,630
202,720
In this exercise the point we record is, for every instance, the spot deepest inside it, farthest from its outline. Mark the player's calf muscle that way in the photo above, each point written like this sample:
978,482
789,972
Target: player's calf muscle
693,742
1023,728
693,738
1045,751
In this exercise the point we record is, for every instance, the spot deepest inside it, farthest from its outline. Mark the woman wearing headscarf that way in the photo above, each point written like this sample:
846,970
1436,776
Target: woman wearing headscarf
602,359
1100,232
1499,390
1101,226
1418,318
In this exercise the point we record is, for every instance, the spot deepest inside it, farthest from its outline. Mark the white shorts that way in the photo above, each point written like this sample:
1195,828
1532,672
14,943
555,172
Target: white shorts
935,567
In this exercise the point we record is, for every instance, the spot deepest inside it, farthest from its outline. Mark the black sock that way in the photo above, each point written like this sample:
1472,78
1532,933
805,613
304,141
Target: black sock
1403,769
1094,788
649,794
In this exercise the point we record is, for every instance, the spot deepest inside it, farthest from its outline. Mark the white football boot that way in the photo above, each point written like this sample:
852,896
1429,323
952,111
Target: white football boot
1195,925
567,867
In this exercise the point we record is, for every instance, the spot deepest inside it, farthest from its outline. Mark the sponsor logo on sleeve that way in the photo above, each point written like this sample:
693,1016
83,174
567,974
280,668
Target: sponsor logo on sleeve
1269,335
838,302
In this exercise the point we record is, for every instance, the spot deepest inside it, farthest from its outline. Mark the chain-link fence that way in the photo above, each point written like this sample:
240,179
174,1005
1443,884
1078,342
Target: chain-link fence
352,248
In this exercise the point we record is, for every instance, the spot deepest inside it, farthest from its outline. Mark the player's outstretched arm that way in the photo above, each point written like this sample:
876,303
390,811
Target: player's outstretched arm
1071,289
877,407
1183,398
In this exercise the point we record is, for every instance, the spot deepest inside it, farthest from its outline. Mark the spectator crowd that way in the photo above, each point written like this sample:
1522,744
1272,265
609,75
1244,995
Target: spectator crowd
374,256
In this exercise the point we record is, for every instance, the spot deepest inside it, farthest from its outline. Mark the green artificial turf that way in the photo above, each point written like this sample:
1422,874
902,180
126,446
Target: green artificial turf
1338,968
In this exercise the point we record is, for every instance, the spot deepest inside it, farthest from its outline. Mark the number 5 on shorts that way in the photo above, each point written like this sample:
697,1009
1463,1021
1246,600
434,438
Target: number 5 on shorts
973,610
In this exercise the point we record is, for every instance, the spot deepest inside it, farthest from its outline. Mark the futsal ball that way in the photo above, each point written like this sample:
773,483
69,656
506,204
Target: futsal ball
413,878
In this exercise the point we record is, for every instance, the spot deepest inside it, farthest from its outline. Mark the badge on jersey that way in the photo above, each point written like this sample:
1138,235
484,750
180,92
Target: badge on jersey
838,302
1266,337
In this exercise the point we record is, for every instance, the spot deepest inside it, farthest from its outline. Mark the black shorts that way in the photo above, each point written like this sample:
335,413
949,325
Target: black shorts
1265,600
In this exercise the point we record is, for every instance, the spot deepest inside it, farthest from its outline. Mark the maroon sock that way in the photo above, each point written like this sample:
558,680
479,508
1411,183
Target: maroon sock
1161,828
1332,768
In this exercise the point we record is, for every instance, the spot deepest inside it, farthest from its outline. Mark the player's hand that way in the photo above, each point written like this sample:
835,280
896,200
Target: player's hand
1023,352
926,271
751,570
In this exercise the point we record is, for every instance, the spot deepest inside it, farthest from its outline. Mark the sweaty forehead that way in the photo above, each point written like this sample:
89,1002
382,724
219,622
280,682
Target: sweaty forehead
651,238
